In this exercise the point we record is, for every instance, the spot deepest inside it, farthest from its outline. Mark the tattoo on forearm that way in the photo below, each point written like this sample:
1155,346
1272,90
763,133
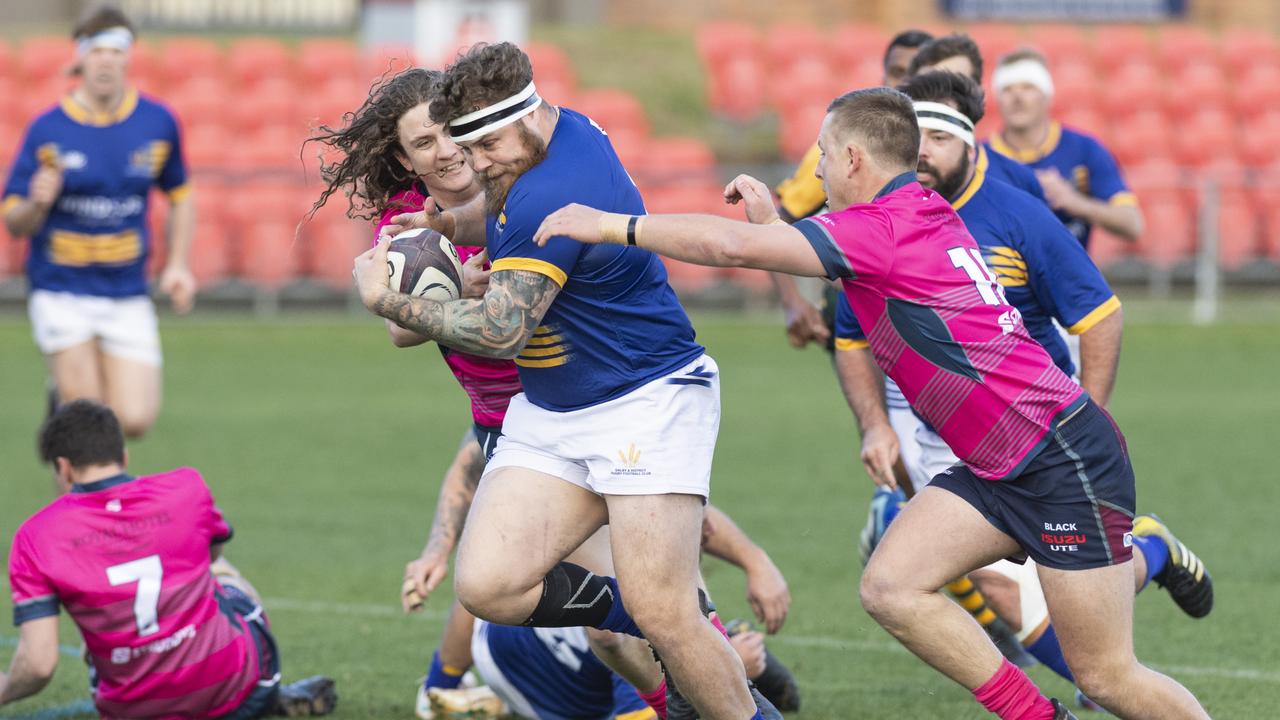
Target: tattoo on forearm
496,325
454,503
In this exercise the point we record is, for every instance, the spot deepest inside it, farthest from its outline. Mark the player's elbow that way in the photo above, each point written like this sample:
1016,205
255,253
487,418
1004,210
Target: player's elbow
1131,224
733,249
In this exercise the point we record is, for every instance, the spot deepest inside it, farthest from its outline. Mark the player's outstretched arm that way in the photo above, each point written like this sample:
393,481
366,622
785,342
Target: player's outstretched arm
698,239
424,575
767,590
34,661
496,325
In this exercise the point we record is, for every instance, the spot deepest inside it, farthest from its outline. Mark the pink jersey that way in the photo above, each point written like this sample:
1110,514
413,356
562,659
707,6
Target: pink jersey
129,559
939,325
490,383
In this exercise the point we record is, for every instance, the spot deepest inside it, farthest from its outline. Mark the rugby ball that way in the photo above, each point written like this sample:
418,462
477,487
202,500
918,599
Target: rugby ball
423,263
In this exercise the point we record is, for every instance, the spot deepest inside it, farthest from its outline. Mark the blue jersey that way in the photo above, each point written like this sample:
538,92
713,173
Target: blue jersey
95,240
1045,274
616,323
550,674
1083,161
1010,171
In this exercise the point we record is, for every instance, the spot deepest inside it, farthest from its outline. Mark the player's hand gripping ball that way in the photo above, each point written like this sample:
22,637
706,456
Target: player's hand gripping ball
425,264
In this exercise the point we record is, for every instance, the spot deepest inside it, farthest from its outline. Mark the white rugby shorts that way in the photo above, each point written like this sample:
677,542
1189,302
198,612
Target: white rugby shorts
125,327
657,439
936,456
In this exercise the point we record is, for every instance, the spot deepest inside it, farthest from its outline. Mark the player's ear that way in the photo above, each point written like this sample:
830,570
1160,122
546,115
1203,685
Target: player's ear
62,473
856,158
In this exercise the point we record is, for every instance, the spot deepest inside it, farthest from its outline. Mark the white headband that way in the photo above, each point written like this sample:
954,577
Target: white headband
936,116
115,38
1024,71
496,116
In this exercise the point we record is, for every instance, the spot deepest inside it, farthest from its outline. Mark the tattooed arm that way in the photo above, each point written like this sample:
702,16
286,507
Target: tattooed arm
423,575
496,325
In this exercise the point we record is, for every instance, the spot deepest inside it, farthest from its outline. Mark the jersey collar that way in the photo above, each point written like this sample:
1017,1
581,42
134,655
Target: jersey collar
1034,154
901,181
975,183
102,484
85,116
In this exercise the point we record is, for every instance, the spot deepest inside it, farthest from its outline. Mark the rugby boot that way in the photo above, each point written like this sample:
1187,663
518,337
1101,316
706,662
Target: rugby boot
1060,711
1184,576
307,698
472,703
776,683
885,505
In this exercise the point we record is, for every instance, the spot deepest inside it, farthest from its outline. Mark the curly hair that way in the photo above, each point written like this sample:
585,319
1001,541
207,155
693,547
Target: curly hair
480,77
370,172
945,47
941,86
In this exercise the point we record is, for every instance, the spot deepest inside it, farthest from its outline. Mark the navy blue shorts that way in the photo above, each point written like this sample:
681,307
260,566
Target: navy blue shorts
262,701
487,437
1072,507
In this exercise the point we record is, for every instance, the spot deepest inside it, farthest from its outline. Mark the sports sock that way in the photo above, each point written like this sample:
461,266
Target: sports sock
1011,695
657,699
967,594
1047,650
1155,552
573,596
441,675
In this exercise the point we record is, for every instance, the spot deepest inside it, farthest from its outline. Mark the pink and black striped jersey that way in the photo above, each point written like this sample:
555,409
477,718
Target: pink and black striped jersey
939,325
129,559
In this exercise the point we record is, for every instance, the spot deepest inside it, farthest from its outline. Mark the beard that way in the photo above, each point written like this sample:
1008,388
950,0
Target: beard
950,184
496,186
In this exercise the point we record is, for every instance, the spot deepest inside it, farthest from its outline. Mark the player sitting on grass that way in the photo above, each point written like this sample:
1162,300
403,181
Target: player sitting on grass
129,557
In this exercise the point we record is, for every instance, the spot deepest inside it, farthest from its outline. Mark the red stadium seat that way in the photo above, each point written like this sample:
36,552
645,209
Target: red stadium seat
326,104
1260,141
995,40
207,147
1198,87
801,83
210,256
855,46
1182,46
1257,92
272,149
1205,137
1082,117
1118,45
384,61
39,97
255,59
551,66
8,65
272,102
799,128
719,41
201,102
188,59
1157,179
1238,231
613,110
321,61
1169,232
1106,249
736,87
1058,43
675,160
1139,136
786,43
267,223
41,58
144,69
1134,87
330,240
1245,49
632,148
1074,85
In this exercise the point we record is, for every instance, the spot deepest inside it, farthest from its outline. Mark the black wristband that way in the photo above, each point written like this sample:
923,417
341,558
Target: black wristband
631,229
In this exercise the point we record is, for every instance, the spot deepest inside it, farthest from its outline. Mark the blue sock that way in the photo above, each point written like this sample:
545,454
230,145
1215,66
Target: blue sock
1049,653
758,716
439,677
618,620
1155,552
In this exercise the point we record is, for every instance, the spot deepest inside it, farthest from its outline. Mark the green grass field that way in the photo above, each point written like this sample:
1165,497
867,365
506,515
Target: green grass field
325,448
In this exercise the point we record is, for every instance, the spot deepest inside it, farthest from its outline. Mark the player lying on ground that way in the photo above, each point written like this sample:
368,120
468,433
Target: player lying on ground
1045,472
552,673
597,334
129,557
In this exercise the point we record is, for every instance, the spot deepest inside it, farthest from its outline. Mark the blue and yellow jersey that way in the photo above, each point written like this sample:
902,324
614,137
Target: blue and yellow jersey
1010,171
802,195
95,240
616,323
1083,161
1045,274
551,674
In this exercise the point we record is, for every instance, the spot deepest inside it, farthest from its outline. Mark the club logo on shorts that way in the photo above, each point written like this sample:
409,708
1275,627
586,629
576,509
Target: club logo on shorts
1063,537
630,460
1128,539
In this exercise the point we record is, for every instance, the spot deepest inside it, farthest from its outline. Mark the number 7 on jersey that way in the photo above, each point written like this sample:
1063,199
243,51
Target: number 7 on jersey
148,573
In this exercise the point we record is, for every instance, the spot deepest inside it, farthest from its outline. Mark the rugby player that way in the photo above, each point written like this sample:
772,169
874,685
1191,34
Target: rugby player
79,189
1044,470
597,335
1080,177
129,557
1047,277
